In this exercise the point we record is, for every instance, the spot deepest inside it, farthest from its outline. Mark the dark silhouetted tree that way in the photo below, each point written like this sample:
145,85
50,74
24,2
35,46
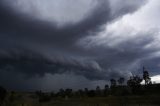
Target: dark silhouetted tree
135,83
106,90
98,88
106,87
113,83
98,91
68,92
120,80
91,93
146,77
113,86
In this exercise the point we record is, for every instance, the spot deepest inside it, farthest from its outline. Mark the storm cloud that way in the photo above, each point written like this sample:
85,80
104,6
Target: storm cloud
93,40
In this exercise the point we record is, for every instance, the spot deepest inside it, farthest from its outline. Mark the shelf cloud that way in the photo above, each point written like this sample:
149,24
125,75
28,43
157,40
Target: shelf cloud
86,40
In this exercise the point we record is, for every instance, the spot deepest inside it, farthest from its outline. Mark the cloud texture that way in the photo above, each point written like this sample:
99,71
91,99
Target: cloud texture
93,40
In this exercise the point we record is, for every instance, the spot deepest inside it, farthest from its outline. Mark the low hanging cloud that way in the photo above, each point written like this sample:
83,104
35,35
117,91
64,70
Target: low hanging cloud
34,64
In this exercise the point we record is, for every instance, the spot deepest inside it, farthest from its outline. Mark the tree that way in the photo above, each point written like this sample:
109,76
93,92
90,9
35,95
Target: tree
146,77
106,87
91,93
98,91
68,92
113,82
106,90
98,88
134,83
120,80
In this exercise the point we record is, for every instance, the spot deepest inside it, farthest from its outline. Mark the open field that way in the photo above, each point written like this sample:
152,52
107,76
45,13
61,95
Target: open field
30,99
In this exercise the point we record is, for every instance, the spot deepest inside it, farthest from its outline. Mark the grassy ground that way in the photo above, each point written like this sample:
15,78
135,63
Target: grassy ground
30,99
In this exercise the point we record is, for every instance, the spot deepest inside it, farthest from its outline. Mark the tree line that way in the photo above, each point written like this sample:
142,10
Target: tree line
117,87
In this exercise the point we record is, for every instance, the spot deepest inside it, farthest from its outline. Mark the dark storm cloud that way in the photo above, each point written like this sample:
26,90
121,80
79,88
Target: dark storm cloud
36,47
32,64
24,29
130,42
21,28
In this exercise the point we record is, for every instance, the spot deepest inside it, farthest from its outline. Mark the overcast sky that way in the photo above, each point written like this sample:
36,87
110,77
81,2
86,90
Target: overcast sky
53,44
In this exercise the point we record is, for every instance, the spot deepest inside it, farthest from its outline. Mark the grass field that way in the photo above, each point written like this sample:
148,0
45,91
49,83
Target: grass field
30,99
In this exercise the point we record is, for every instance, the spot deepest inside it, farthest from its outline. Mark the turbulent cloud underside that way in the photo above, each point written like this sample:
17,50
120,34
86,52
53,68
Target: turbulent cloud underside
82,40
